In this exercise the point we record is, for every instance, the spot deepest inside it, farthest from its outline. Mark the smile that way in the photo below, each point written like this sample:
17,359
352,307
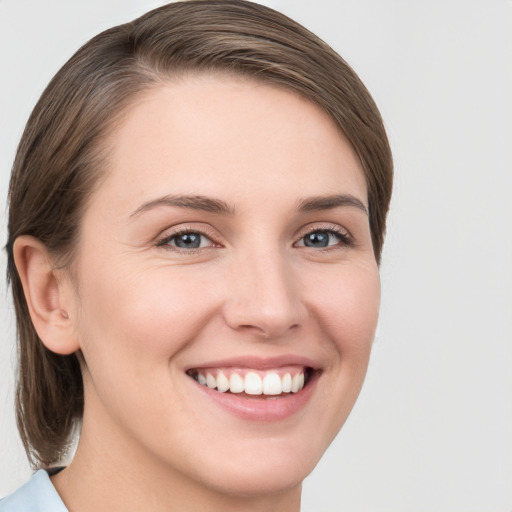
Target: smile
282,381
257,389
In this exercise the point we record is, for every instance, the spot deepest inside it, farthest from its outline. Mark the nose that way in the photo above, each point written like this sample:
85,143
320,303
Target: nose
264,297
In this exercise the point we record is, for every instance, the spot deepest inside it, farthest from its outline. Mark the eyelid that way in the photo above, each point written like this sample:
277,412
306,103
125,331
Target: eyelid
211,234
167,235
343,233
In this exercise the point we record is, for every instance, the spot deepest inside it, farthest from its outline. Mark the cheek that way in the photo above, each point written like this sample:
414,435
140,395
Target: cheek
141,319
348,311
348,308
134,327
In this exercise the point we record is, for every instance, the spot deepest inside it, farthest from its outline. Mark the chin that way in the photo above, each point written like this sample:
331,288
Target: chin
259,481
275,468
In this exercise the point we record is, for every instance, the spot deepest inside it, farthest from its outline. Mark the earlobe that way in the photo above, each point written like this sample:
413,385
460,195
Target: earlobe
47,295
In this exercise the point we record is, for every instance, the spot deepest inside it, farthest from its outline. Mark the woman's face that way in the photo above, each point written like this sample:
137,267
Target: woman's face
229,242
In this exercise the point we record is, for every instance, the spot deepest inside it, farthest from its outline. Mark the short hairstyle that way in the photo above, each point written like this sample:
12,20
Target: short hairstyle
62,153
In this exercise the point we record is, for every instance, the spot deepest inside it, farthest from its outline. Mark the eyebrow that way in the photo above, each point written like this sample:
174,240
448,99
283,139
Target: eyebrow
211,205
203,203
311,204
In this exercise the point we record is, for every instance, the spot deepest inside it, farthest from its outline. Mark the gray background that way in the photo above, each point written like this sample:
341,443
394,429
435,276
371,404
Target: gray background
432,430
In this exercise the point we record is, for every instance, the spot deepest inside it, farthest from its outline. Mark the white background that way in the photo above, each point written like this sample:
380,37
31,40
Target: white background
432,430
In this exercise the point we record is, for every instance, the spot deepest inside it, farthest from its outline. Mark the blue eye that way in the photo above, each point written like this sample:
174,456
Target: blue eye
187,240
322,238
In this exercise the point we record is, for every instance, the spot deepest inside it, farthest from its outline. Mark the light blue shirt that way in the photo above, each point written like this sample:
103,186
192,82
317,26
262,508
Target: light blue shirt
37,495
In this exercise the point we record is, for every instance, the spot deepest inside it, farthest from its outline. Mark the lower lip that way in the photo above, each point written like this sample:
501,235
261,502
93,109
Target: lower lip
262,409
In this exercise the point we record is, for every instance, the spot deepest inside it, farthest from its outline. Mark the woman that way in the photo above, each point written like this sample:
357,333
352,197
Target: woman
197,211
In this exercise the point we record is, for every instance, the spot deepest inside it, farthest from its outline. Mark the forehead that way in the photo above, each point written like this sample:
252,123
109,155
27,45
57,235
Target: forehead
214,135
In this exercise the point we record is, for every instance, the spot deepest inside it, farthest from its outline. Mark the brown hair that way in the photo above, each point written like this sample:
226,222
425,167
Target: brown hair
59,158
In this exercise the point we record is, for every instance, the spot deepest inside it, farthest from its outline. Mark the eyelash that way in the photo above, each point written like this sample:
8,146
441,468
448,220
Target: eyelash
165,241
345,240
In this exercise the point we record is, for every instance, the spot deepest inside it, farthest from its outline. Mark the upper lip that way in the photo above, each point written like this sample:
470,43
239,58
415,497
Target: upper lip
258,363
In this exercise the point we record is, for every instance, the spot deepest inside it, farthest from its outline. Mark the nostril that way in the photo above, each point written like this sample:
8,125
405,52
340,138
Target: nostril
266,330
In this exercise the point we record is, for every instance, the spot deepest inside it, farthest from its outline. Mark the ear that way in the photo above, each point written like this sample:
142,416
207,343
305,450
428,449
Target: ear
48,295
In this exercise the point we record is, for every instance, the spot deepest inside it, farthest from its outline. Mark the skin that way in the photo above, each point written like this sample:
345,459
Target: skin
143,311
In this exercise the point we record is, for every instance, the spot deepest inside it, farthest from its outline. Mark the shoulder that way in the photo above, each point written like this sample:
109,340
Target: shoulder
37,495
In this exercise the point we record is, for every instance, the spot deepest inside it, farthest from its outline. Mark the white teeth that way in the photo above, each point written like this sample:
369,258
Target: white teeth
272,384
296,383
211,382
252,383
236,383
222,383
287,383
